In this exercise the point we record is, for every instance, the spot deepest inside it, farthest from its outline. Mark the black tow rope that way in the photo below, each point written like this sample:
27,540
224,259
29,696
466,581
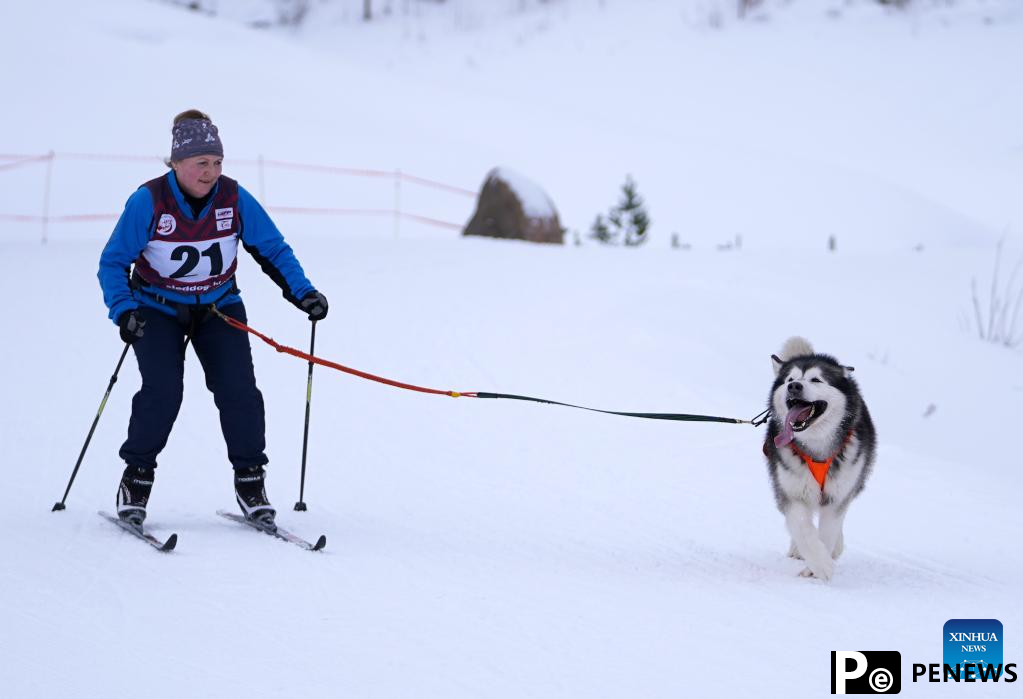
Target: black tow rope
680,417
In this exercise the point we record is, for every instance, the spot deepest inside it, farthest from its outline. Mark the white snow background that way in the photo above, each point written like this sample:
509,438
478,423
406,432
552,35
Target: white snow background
503,549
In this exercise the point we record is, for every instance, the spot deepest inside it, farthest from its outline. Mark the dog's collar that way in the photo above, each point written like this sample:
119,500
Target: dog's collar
819,469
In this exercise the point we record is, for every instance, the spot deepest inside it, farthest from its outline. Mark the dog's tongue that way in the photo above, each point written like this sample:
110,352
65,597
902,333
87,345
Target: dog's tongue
795,415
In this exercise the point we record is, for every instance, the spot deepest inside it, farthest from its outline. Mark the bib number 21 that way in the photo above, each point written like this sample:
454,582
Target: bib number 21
191,257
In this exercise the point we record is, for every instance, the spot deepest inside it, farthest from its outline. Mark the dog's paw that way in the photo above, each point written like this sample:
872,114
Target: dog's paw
838,550
794,552
821,572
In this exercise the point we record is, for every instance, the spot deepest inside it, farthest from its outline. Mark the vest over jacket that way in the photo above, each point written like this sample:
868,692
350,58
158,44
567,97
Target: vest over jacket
182,259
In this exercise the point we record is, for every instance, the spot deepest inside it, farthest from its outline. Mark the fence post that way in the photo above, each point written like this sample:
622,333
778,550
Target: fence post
262,180
397,202
46,194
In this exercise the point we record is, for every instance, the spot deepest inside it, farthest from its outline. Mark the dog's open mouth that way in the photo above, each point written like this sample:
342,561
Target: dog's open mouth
802,413
800,416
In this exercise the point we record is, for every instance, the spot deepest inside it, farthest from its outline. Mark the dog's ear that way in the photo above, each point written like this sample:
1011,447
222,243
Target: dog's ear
776,363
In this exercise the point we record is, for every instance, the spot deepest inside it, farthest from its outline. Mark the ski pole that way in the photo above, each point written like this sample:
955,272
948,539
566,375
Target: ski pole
300,505
113,379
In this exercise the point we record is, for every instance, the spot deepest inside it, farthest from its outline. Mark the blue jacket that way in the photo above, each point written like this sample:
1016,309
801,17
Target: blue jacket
134,230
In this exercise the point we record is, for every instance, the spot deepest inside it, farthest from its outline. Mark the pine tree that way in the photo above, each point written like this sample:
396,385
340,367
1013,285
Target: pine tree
600,232
631,219
626,223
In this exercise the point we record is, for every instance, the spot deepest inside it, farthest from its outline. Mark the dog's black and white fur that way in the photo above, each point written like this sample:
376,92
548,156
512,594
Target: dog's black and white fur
816,407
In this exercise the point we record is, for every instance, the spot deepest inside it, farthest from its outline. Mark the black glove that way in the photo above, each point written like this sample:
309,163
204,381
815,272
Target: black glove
315,304
132,326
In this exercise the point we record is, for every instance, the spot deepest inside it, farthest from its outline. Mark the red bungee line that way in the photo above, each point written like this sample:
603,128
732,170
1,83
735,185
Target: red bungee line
235,323
684,417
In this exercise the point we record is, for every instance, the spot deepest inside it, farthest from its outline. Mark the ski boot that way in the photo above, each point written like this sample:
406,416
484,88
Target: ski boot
133,494
250,492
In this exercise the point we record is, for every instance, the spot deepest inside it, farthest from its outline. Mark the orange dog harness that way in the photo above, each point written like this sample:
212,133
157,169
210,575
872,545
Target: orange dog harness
819,469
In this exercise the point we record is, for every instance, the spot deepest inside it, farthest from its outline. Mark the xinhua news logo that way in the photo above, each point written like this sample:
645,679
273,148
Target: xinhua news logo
975,645
972,652
866,672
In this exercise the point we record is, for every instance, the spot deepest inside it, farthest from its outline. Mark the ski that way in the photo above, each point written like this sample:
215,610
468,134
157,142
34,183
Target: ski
165,546
277,531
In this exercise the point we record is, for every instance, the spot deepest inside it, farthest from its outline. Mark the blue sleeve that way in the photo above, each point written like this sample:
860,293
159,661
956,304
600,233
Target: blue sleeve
130,237
266,244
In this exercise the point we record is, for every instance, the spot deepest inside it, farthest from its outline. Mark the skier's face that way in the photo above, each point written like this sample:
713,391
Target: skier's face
198,174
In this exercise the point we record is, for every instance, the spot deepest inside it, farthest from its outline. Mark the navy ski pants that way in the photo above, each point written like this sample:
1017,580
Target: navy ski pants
226,359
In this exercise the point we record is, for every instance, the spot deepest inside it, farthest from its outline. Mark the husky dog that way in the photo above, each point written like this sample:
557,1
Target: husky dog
820,448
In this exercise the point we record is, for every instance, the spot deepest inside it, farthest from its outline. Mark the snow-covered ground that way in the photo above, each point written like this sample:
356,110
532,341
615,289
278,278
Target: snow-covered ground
500,549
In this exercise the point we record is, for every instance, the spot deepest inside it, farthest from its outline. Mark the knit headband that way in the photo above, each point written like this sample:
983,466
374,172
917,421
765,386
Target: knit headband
195,137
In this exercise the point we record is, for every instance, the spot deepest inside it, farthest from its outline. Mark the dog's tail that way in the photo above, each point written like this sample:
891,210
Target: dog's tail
794,347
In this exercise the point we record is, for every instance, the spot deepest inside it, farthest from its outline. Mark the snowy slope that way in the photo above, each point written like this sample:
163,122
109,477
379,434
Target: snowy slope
490,549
